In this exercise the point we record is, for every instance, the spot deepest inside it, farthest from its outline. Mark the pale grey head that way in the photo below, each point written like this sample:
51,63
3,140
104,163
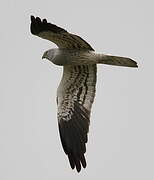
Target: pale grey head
57,56
50,54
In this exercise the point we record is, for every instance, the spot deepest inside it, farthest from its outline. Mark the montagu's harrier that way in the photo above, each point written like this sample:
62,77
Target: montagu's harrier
76,91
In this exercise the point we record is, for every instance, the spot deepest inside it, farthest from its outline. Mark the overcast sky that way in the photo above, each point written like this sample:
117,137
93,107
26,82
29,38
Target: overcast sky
120,145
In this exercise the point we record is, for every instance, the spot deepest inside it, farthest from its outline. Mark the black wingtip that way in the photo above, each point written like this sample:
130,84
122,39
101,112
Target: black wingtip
37,26
76,161
71,161
32,18
73,135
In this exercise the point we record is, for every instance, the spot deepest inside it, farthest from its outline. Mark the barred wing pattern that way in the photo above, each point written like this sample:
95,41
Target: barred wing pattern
58,35
75,96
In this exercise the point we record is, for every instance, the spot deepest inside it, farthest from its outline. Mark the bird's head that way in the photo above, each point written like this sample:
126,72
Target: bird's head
49,54
57,56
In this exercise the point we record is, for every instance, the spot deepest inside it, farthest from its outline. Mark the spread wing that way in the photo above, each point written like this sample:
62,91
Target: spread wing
75,96
58,35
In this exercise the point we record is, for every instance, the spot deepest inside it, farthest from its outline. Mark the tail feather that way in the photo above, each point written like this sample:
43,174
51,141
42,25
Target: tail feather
117,61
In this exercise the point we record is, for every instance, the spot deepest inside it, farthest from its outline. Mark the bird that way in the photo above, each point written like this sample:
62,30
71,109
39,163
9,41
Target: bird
77,89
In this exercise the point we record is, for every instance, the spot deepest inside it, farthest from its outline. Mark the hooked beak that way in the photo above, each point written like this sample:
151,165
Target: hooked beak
44,55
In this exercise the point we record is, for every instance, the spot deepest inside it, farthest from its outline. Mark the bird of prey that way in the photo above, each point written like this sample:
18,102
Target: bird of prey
76,91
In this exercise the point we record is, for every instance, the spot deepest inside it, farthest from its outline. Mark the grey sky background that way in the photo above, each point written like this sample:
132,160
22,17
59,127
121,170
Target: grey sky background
121,133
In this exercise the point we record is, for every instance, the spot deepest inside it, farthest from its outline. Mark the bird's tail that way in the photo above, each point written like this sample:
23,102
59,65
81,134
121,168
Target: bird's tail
117,61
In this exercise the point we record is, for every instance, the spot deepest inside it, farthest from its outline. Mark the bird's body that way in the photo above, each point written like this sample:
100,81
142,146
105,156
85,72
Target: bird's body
76,92
64,57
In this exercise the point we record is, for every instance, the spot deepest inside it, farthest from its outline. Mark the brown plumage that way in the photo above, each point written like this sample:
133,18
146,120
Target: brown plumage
76,92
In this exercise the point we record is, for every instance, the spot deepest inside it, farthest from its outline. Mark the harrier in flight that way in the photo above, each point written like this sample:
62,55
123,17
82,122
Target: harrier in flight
76,91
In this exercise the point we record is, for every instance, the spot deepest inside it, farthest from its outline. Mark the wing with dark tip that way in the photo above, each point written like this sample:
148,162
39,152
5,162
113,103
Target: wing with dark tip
57,35
75,96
